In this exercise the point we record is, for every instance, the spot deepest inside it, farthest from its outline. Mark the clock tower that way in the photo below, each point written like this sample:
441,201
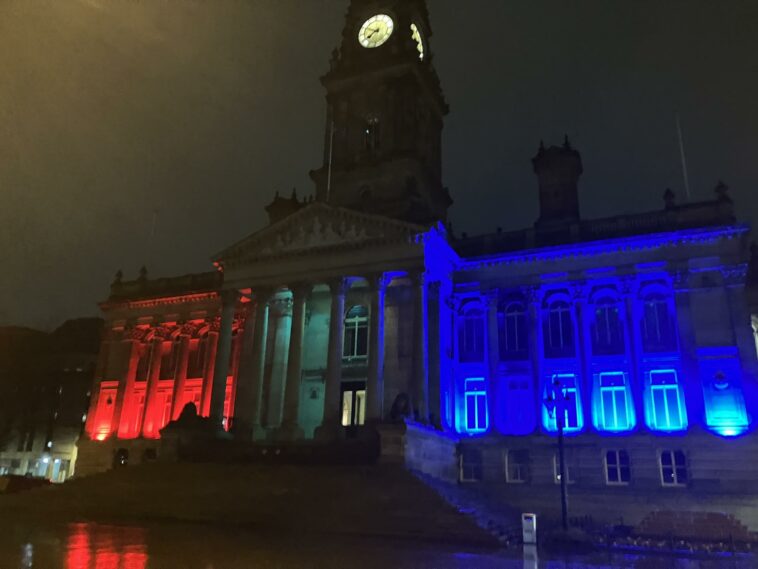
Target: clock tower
385,111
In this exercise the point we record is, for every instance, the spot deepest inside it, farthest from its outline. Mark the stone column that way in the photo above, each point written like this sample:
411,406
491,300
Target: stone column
689,380
258,364
151,391
126,388
282,308
290,430
244,401
332,411
492,298
180,375
375,383
536,347
633,349
583,347
229,300
211,348
435,347
420,396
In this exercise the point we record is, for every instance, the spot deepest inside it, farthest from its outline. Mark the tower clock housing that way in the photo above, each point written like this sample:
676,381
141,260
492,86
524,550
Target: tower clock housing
385,112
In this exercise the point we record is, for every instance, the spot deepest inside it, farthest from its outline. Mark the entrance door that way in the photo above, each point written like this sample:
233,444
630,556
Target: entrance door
353,405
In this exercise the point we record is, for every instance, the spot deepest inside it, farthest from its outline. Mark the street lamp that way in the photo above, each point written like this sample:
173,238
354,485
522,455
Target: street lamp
555,403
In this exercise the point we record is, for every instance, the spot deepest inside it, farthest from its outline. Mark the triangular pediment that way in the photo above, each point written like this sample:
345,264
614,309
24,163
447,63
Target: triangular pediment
320,227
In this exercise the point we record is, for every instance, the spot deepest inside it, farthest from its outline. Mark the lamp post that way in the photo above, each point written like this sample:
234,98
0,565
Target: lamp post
555,402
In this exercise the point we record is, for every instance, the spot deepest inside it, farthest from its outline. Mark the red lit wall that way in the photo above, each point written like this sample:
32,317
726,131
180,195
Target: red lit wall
144,414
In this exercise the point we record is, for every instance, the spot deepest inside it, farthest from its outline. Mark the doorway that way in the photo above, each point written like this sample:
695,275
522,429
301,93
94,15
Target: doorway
353,405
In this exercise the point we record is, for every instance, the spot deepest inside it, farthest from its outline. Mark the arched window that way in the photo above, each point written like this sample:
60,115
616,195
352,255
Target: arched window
471,336
559,330
356,333
607,328
658,331
513,332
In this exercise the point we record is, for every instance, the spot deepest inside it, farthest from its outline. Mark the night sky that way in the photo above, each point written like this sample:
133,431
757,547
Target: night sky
201,109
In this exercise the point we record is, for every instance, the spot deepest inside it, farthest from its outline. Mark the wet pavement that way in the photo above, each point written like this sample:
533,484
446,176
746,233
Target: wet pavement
94,546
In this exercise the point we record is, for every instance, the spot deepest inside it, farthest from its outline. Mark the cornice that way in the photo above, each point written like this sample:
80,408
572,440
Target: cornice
163,301
609,246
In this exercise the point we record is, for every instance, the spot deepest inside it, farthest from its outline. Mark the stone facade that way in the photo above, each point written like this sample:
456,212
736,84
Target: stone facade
358,308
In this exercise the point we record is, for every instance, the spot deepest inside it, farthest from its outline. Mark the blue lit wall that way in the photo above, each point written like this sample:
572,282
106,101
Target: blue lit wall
666,389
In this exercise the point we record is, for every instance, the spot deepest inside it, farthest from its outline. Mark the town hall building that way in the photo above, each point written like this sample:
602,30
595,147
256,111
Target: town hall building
358,310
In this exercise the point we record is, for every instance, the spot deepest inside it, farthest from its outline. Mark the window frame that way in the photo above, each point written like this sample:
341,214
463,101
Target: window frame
567,467
575,399
565,323
665,388
524,468
618,466
476,395
476,468
614,341
666,340
472,332
513,324
674,467
614,391
357,325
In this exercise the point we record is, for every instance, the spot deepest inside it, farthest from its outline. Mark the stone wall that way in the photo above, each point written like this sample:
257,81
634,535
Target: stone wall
430,452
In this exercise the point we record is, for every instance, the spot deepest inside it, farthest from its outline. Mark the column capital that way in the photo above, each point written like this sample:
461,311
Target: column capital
418,278
579,292
532,294
628,283
262,293
491,297
339,285
300,290
378,282
282,306
229,296
681,279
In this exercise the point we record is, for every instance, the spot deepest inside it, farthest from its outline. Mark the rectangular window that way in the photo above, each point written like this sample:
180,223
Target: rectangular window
667,411
470,464
614,410
566,468
673,468
617,470
476,404
565,395
517,466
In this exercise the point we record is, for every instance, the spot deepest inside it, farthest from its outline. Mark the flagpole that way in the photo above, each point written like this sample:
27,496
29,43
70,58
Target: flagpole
685,172
331,155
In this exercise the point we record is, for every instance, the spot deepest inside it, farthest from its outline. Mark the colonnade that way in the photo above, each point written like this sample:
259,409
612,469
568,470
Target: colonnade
250,408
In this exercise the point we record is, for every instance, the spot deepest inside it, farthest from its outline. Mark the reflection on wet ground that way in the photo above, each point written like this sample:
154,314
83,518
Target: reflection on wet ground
94,546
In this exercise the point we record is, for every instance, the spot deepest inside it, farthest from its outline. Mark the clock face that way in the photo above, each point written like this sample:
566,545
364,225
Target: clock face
376,31
419,39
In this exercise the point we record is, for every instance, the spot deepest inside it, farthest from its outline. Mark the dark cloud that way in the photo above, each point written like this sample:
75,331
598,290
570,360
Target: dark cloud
200,109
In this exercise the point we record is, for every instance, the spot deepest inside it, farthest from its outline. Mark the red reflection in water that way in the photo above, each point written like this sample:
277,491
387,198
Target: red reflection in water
91,546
